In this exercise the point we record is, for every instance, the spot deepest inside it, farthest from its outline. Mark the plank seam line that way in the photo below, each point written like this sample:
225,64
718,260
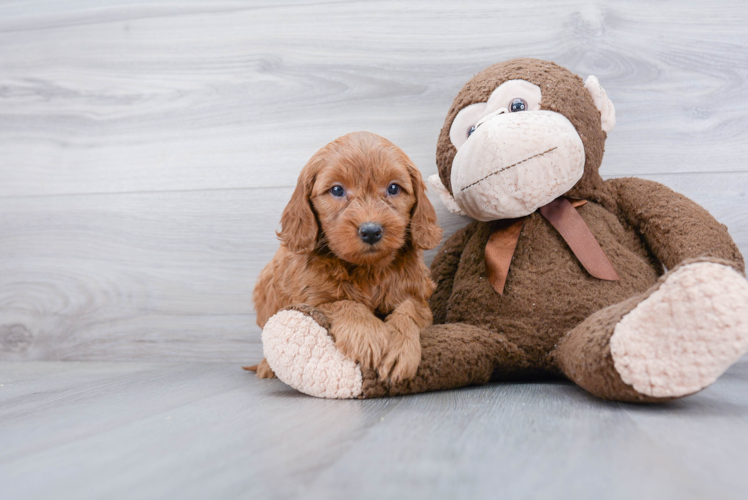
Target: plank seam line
250,188
158,191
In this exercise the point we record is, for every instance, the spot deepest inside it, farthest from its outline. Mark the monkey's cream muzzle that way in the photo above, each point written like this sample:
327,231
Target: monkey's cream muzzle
514,163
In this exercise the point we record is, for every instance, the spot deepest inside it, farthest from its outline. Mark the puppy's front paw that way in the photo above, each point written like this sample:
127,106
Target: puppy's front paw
402,358
264,370
363,340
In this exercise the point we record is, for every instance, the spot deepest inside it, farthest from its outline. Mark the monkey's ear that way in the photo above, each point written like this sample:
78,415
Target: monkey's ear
298,223
445,195
602,102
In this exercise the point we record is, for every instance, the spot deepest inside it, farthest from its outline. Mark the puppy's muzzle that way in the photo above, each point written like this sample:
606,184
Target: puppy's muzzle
370,233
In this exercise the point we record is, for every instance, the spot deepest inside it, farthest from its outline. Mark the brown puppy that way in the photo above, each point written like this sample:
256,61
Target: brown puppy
351,245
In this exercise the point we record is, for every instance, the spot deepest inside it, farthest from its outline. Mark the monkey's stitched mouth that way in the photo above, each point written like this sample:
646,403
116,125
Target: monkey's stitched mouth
502,169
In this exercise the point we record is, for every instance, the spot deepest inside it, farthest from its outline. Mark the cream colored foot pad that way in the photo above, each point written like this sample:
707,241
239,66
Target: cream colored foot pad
686,334
303,355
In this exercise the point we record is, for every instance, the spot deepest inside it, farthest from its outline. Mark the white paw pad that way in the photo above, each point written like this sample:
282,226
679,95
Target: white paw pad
303,355
686,334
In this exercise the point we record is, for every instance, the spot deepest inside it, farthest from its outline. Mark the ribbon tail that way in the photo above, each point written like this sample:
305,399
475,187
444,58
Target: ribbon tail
564,217
500,250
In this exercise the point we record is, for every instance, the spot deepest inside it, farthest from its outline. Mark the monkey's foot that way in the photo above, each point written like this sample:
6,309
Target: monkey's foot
684,335
302,354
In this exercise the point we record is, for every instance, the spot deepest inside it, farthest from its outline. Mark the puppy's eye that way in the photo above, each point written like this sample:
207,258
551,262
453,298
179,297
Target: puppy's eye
471,130
393,189
518,104
337,191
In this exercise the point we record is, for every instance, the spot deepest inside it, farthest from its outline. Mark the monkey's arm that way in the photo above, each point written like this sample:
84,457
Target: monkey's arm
443,270
674,227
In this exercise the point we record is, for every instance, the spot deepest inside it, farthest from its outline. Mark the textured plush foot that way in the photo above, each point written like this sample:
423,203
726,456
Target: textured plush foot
304,356
684,335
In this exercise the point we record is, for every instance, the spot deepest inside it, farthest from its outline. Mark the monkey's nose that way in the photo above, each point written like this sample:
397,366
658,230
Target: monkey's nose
370,233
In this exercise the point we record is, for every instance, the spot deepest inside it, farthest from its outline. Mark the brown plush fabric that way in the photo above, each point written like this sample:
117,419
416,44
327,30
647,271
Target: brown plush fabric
443,272
453,356
674,227
547,291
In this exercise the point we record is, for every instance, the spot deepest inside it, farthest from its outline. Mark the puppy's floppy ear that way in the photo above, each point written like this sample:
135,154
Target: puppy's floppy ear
298,223
424,230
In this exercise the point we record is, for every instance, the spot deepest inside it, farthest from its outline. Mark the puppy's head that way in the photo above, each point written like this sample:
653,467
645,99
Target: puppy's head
362,197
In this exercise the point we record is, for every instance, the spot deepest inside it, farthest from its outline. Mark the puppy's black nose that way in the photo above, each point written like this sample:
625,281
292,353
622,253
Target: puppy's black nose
370,233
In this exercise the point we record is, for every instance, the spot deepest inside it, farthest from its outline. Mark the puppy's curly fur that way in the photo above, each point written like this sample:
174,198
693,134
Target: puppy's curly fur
376,295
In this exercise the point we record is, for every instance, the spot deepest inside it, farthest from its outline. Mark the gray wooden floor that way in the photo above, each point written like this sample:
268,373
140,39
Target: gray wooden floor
200,430
146,152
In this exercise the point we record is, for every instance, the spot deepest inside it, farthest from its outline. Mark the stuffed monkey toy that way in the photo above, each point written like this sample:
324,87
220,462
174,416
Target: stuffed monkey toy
628,289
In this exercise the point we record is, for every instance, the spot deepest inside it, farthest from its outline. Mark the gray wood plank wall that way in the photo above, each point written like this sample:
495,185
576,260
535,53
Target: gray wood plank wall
147,149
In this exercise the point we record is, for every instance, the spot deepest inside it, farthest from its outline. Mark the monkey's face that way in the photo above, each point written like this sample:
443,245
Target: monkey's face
514,153
512,157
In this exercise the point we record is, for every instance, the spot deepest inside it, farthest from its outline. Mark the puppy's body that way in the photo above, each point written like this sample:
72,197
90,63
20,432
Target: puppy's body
317,279
374,289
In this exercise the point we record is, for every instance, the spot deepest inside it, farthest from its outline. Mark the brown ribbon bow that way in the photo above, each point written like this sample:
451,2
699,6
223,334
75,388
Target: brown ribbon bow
563,216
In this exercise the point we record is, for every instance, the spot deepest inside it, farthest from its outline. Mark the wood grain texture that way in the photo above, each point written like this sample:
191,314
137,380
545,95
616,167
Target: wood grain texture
80,430
122,96
147,150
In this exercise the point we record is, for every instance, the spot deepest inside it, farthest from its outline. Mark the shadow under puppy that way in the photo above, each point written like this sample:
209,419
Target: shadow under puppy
352,239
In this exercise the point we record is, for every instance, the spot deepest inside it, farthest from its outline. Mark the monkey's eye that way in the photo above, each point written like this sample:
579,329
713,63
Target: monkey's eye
472,129
337,191
518,104
393,189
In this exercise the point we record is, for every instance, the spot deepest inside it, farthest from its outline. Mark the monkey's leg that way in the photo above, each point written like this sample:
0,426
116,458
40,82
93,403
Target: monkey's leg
673,340
303,355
